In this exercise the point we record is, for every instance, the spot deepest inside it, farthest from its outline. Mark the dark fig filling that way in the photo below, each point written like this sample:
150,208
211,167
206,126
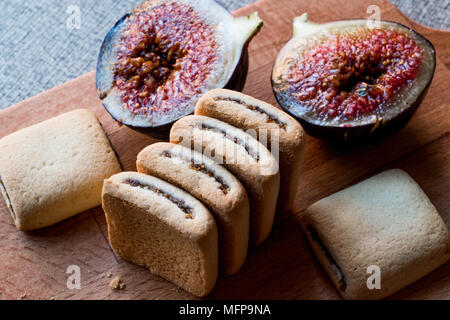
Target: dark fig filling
164,57
181,204
353,74
7,199
314,236
270,118
203,169
254,154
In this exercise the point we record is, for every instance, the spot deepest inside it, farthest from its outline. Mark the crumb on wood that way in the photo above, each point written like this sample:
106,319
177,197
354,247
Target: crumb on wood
117,284
109,275
176,289
23,296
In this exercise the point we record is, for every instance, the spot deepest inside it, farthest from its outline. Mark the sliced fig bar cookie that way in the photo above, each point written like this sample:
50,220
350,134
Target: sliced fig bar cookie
156,225
210,183
250,161
281,133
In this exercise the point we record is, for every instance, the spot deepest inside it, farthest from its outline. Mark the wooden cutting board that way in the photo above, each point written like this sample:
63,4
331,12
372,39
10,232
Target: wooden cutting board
33,264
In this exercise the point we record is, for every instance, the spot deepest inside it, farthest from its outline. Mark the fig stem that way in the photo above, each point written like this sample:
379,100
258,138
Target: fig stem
246,27
302,26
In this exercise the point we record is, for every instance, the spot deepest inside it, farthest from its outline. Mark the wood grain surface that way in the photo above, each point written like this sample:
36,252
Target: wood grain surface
33,264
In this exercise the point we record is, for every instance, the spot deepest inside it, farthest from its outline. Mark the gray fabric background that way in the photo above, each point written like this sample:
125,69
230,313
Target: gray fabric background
38,51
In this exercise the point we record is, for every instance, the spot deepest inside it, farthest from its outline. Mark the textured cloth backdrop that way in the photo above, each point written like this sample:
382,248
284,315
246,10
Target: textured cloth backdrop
38,50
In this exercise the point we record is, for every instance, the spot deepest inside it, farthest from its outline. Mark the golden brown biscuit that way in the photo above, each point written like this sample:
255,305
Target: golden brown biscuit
55,169
210,183
386,221
157,225
243,156
271,124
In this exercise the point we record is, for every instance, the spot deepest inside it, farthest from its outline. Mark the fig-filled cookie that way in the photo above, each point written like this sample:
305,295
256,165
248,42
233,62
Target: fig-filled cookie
281,133
242,155
154,224
212,184
385,222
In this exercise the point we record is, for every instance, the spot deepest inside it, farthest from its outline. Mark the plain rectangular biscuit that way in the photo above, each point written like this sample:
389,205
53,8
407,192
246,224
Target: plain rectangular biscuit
55,169
272,126
386,221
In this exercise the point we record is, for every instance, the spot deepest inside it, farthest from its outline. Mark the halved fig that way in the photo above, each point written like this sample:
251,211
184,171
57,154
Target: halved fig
347,81
157,60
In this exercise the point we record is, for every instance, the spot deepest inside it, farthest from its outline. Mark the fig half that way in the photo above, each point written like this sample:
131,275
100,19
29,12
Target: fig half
347,80
161,57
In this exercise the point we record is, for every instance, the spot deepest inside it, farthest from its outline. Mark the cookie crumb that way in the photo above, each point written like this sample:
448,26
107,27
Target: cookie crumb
109,275
23,296
117,284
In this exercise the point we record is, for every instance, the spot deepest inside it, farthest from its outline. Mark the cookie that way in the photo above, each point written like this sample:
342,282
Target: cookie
154,224
244,157
212,184
385,223
55,169
280,132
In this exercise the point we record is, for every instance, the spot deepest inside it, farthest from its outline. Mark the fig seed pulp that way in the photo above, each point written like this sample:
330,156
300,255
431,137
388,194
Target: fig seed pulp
156,66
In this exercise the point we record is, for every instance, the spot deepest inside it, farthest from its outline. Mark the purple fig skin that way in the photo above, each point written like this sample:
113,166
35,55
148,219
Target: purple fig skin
372,132
239,76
